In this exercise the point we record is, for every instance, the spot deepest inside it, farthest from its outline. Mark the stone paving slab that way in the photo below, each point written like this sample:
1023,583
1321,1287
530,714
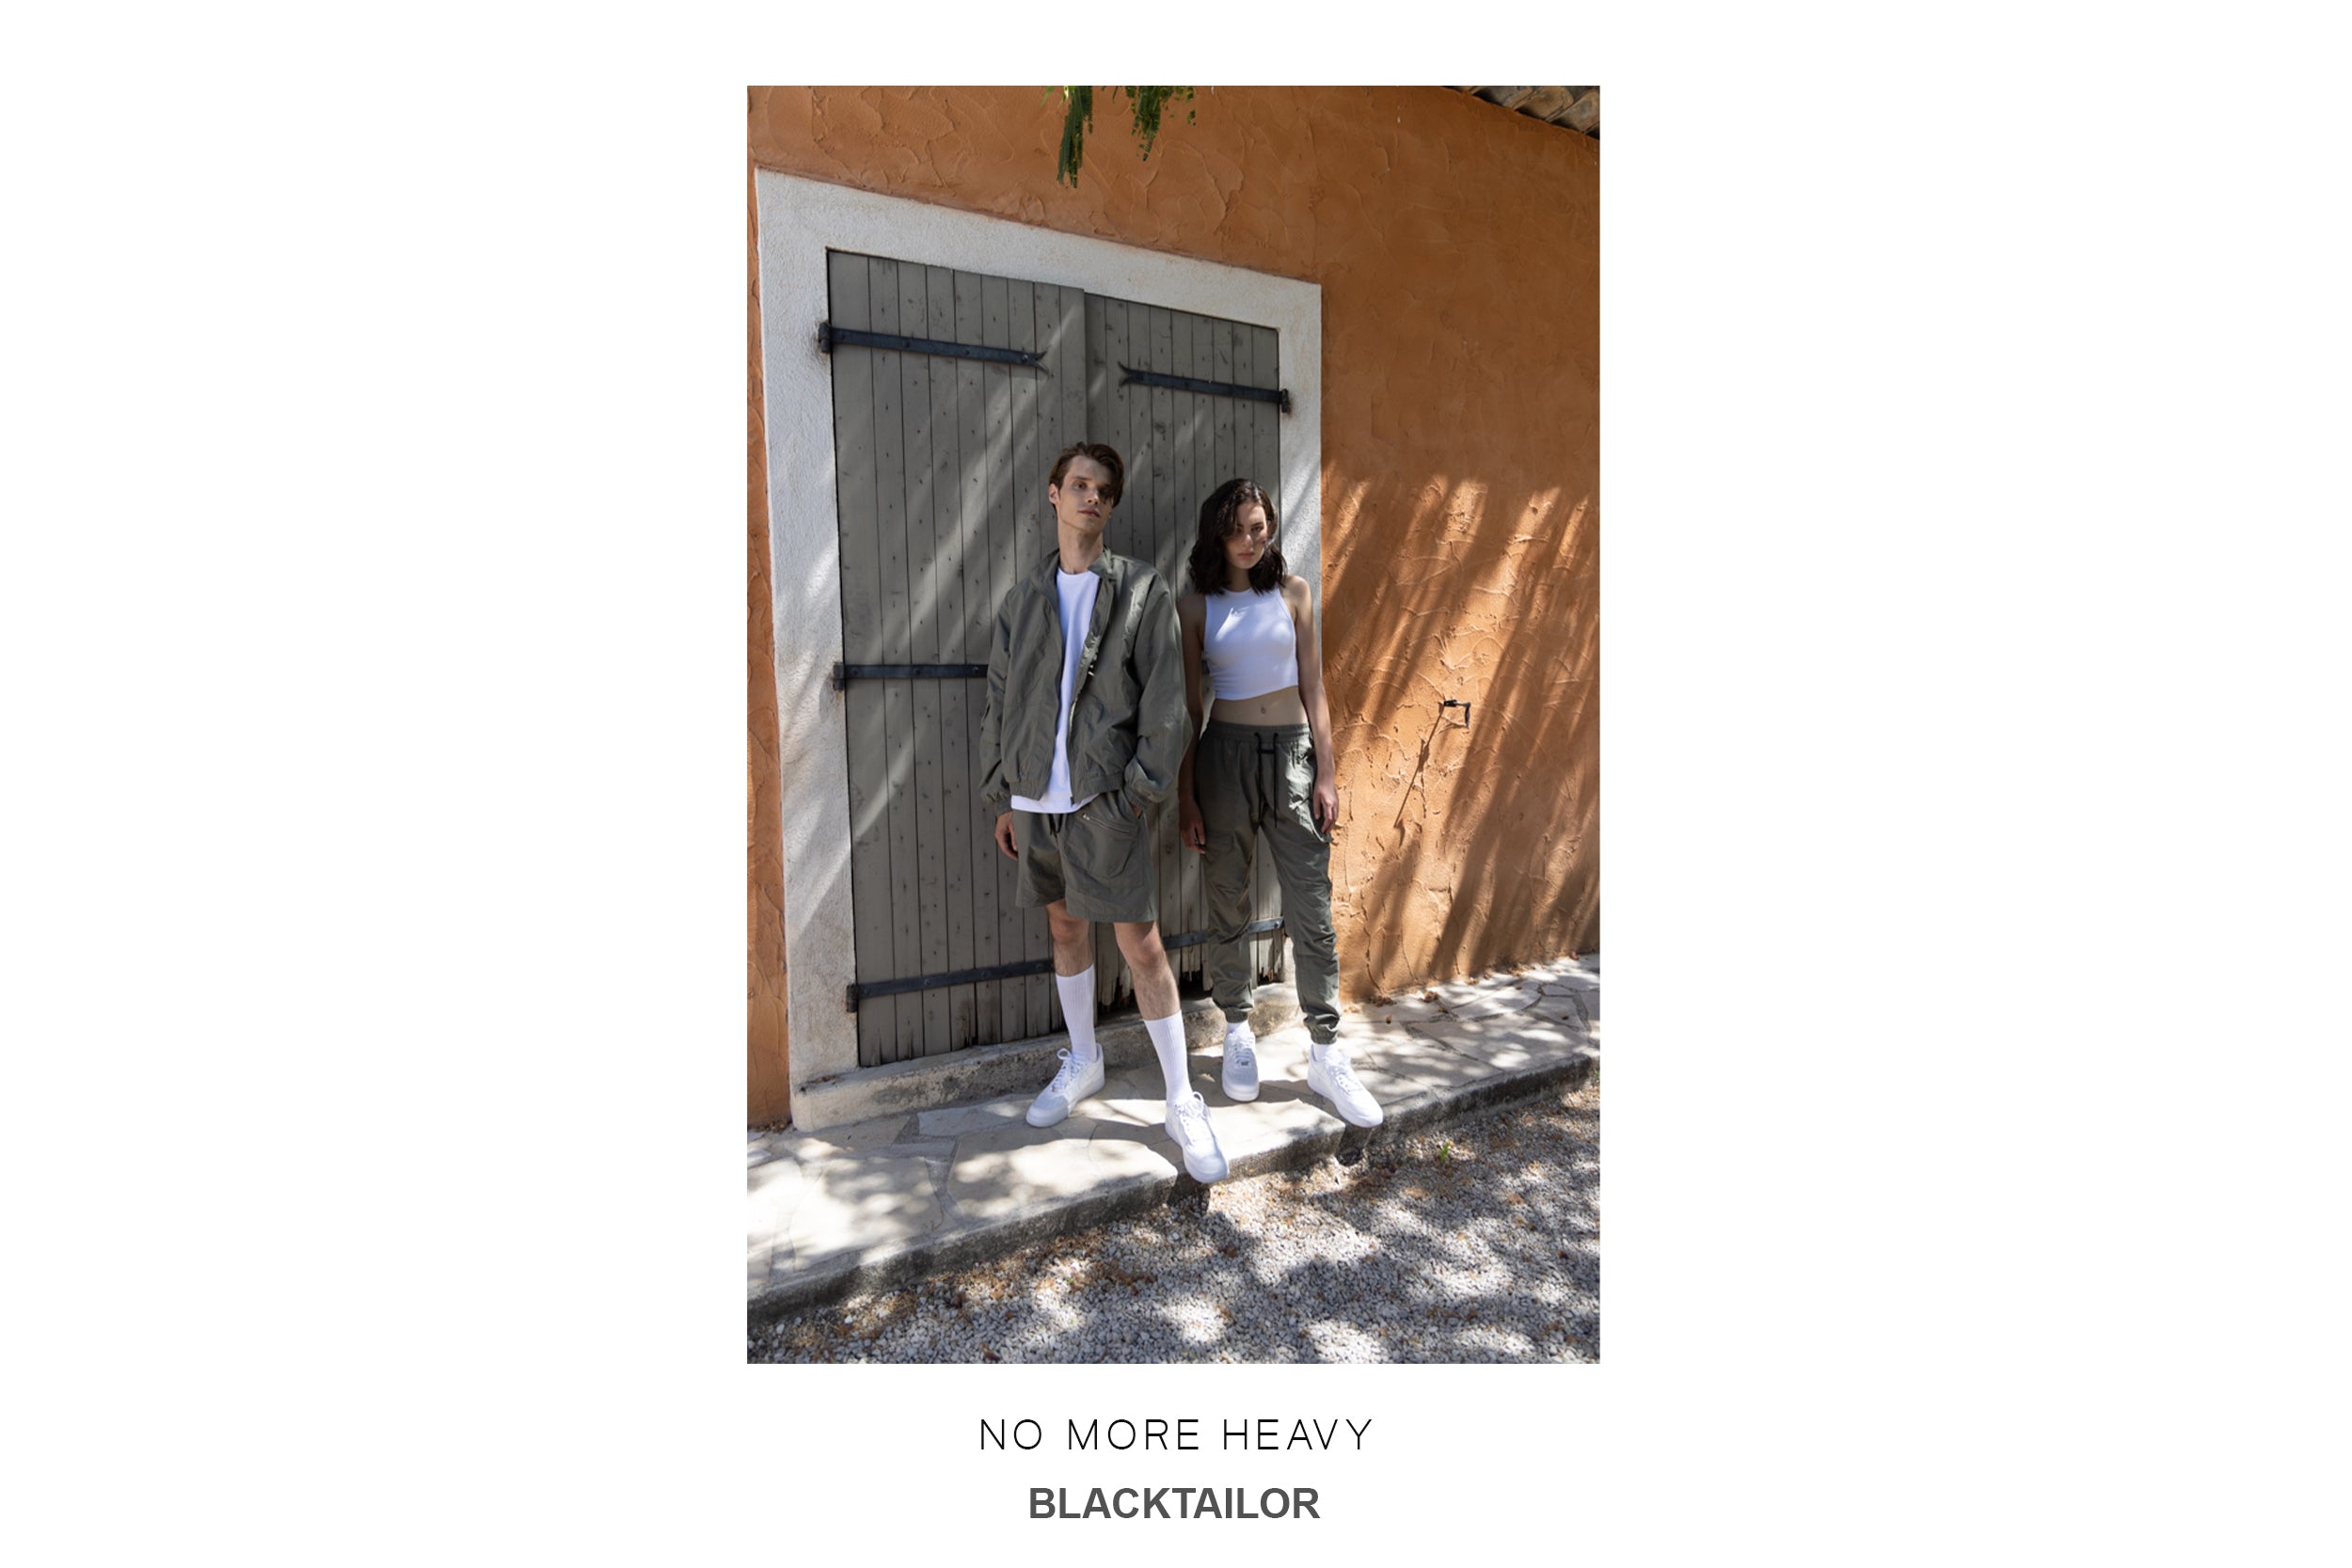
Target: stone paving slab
1017,1066
890,1196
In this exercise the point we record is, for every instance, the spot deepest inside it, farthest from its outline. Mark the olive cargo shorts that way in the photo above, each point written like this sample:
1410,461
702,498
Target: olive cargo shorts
1097,860
1246,777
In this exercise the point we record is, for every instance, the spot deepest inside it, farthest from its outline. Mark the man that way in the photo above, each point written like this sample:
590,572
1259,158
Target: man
1084,734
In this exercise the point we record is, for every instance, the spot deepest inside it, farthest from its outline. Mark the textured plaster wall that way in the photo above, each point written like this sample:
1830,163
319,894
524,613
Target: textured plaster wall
1457,247
770,1090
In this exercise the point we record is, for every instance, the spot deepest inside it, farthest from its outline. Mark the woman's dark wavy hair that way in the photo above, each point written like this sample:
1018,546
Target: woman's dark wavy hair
1216,524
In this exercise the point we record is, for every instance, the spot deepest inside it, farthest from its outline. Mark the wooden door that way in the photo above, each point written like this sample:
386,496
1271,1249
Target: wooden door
1179,446
941,466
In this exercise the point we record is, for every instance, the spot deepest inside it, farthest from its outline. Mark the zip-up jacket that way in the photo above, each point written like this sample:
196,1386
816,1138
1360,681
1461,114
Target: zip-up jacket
1127,710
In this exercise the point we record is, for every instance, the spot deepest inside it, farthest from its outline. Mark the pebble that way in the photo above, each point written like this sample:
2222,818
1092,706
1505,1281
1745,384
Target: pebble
1477,1241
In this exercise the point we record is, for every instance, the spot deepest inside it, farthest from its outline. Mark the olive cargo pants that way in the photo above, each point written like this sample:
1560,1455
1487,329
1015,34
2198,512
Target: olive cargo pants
1246,777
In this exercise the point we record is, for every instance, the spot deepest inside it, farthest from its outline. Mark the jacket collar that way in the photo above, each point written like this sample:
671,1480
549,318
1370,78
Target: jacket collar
1110,566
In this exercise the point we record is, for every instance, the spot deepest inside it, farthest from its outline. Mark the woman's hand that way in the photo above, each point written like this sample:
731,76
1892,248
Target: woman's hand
1190,830
1325,802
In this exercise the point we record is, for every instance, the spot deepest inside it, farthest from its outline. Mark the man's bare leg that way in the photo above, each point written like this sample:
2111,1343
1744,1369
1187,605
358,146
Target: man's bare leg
1073,939
1081,1071
1074,977
1147,961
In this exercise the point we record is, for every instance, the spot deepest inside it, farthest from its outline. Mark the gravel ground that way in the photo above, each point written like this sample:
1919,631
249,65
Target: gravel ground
1479,1241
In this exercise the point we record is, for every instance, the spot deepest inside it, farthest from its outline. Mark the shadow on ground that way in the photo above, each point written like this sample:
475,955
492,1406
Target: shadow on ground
1476,1242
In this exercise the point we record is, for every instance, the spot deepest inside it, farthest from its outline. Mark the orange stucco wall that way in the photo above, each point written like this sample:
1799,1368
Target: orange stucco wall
771,1094
1457,247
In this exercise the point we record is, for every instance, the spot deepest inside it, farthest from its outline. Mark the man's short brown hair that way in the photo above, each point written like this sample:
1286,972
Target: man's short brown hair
1100,453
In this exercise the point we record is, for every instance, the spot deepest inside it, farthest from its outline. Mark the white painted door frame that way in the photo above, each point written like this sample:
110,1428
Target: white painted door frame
799,221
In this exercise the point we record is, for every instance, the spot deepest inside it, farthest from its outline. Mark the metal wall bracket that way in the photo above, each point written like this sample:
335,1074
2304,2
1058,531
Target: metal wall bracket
1193,939
844,673
1452,701
829,337
1274,395
959,978
1014,970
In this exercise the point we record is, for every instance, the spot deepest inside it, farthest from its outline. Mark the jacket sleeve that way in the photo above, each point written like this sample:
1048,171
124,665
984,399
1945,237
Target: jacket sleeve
996,789
1160,711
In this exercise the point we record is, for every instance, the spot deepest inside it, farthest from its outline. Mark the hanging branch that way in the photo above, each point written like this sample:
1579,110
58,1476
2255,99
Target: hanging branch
1148,105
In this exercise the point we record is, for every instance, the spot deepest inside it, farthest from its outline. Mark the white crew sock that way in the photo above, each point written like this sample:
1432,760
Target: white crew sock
1077,1012
1168,1038
1316,1048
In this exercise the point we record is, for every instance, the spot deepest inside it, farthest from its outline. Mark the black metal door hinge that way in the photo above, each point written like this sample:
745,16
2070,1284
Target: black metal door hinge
1014,970
1278,396
830,337
844,673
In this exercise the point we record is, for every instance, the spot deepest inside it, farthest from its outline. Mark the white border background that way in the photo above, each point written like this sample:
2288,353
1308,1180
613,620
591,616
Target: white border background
1975,839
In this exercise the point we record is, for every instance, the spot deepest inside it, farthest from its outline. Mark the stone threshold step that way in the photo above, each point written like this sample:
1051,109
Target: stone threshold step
987,1071
905,1262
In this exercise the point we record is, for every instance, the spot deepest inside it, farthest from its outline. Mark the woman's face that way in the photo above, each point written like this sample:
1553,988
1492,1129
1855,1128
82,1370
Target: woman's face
1251,534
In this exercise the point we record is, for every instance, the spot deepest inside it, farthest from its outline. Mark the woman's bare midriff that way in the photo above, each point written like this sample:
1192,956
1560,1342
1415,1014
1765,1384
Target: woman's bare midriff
1274,708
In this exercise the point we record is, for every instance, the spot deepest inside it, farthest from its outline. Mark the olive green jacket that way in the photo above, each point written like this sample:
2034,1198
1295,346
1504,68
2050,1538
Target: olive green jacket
1127,710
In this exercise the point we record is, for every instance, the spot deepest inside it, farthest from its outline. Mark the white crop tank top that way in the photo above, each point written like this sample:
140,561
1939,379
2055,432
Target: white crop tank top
1250,644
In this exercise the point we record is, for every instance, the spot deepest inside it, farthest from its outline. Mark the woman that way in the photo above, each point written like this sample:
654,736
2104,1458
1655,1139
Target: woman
1265,761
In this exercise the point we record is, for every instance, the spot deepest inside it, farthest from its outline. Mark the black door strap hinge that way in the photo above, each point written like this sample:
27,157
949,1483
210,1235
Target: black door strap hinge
1278,396
829,337
1015,971
844,673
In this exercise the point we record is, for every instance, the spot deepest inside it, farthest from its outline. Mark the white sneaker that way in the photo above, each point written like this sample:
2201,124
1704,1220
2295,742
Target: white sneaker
1335,1080
1189,1124
1077,1079
1240,1072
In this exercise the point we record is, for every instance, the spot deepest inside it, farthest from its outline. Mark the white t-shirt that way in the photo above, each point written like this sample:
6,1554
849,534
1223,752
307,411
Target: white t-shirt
1077,615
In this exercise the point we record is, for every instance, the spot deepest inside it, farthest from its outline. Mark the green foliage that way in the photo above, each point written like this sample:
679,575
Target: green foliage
1147,105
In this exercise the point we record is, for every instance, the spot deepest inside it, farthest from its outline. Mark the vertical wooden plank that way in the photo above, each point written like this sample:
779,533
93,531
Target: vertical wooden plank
1264,417
1171,459
1071,368
1187,507
926,918
1264,889
893,372
980,619
1033,541
1204,435
1069,392
946,593
1245,428
1184,483
1227,463
1045,436
1005,564
1193,359
1265,420
1100,372
848,281
1132,533
1102,409
1161,343
1106,423
1204,467
1052,436
1142,455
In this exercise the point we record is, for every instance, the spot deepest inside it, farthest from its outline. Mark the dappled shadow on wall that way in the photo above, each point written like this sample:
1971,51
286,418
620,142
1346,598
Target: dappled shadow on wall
1463,845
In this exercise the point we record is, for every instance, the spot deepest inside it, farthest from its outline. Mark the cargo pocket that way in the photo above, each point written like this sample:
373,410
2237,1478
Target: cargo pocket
1112,833
1302,783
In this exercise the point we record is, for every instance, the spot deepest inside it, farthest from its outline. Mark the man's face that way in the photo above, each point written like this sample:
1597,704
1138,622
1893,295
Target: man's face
1082,500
